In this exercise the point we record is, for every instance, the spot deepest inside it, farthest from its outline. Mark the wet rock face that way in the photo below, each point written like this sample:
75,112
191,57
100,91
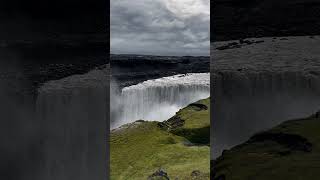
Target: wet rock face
260,85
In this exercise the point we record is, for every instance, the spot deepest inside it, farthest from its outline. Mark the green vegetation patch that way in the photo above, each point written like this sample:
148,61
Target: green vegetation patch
288,151
143,149
192,122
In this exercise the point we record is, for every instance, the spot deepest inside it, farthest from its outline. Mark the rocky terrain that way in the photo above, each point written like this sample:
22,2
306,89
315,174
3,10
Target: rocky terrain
260,82
132,69
287,151
238,19
174,149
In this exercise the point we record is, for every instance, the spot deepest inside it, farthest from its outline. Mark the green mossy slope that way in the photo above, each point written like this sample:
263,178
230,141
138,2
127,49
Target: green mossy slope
288,151
140,149
192,122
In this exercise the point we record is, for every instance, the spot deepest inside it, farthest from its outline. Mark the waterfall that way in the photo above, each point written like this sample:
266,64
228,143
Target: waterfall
246,103
73,115
160,99
260,85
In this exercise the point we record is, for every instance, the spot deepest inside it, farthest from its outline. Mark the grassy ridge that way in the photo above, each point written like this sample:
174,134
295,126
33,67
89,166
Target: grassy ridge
288,151
192,122
141,148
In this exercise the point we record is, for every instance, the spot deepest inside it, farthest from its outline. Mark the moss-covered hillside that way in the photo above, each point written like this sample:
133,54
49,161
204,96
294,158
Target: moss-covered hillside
175,149
288,151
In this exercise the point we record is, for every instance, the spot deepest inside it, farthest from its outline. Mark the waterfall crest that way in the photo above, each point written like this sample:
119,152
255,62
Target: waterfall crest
159,99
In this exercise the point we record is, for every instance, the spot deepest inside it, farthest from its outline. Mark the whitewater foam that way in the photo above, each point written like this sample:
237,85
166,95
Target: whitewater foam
160,99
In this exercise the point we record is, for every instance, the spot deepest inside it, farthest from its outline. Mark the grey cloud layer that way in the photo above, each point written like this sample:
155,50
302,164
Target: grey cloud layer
154,27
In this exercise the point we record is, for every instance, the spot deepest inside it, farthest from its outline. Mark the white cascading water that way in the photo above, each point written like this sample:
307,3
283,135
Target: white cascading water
73,115
160,99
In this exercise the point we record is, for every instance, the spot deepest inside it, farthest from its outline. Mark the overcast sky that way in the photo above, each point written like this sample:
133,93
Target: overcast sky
160,27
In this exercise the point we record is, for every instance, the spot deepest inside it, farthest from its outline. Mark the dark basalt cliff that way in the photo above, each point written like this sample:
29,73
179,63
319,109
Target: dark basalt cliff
258,85
236,19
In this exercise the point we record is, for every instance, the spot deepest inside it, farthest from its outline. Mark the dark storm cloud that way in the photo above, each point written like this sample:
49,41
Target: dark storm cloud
162,27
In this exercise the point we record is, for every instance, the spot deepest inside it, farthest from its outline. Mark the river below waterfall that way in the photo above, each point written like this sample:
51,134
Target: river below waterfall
158,99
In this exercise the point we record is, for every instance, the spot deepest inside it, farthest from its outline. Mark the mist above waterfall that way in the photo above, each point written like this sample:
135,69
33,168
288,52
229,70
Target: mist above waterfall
158,99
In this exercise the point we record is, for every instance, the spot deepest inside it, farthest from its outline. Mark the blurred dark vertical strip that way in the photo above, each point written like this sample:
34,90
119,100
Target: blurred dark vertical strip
43,40
108,96
237,20
211,90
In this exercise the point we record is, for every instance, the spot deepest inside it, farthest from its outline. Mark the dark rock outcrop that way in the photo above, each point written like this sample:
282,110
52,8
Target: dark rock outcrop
159,175
292,141
198,107
173,123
